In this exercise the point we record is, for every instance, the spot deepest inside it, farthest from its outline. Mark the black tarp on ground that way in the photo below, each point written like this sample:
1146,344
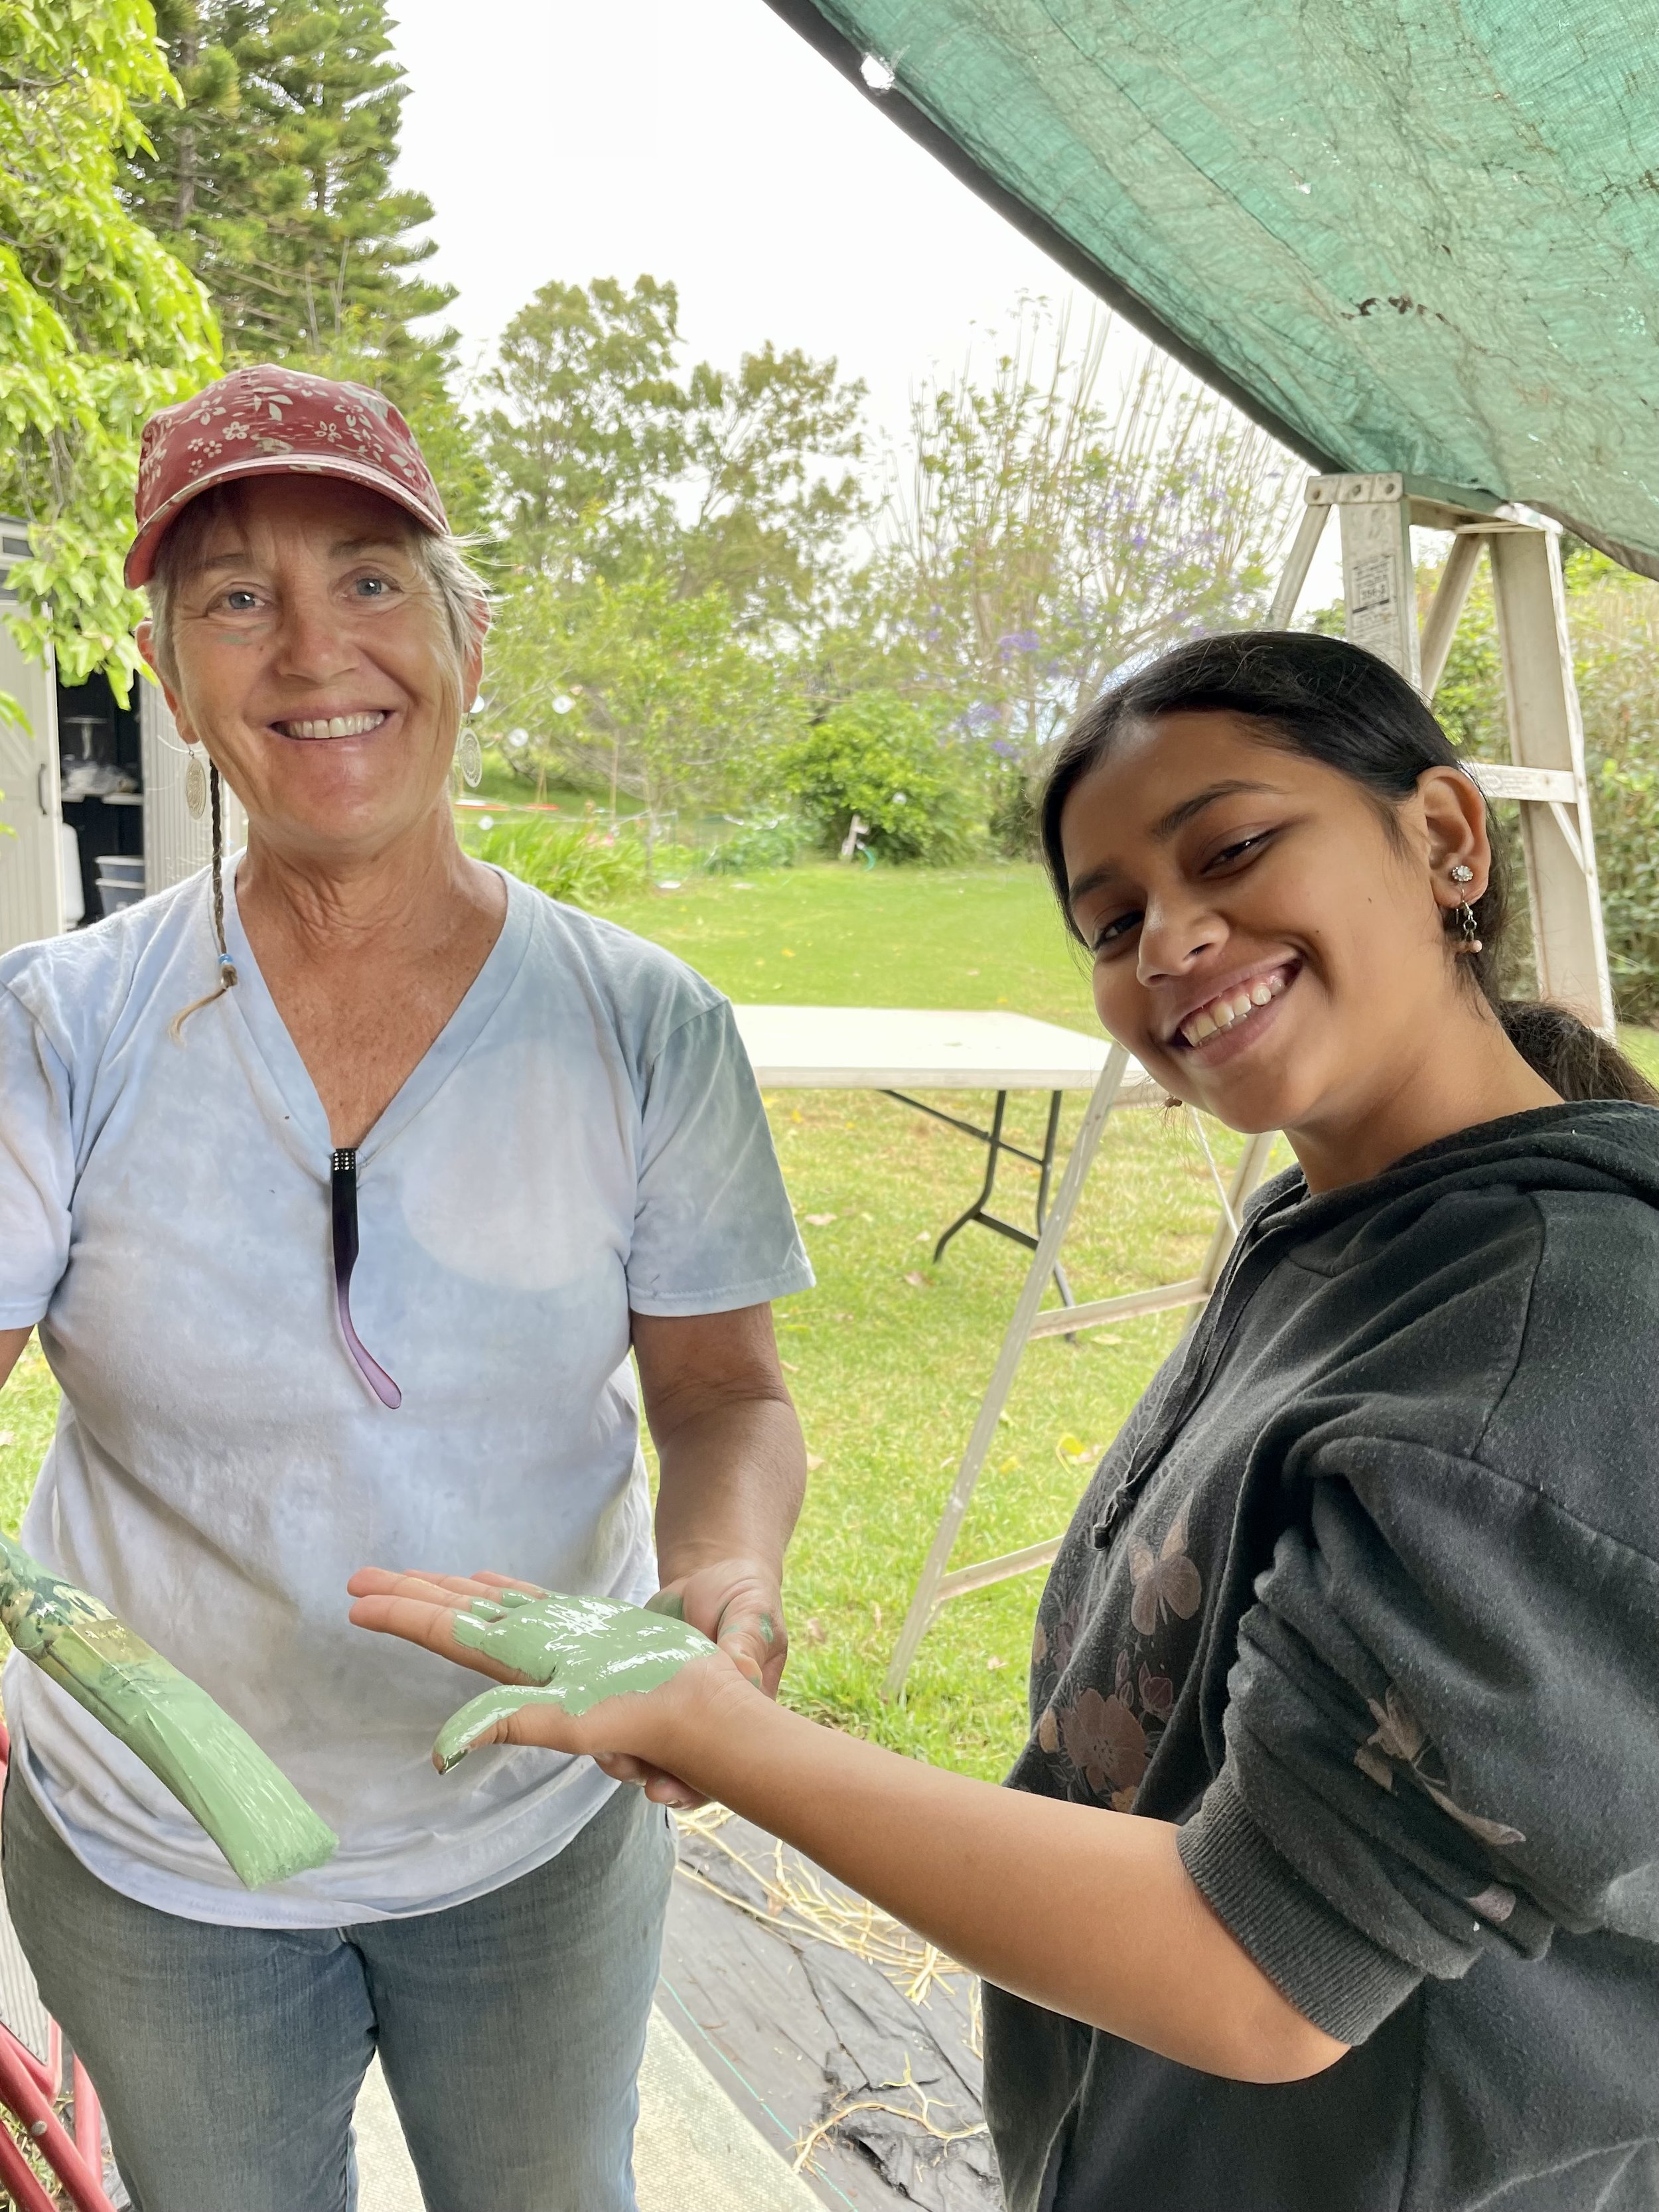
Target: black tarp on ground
805,2034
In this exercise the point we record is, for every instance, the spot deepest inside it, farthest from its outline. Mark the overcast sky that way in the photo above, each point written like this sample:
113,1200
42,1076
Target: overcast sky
701,141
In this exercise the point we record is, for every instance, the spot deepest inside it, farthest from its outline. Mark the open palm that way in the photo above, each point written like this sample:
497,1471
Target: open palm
577,1652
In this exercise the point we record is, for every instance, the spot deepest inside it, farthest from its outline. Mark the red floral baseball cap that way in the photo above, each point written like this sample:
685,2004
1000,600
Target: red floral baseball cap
274,421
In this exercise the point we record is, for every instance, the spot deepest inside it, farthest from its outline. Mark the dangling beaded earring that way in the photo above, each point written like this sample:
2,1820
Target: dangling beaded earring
1467,926
226,965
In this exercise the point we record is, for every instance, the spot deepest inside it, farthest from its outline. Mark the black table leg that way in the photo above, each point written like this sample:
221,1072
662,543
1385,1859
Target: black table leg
976,1212
996,1144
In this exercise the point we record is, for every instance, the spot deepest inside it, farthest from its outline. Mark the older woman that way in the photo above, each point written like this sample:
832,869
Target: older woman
540,1140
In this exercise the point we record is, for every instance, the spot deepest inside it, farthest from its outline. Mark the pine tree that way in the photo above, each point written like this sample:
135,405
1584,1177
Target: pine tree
273,182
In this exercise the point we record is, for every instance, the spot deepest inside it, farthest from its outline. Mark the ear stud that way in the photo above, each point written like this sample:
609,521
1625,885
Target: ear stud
1461,874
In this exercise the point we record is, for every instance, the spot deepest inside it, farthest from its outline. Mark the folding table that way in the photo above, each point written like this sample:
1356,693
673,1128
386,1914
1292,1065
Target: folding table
899,1049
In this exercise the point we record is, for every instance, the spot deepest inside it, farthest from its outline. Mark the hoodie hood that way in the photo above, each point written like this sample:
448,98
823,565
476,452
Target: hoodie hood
1605,1146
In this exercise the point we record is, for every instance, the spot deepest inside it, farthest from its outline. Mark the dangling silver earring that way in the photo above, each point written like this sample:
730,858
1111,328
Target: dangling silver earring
196,785
1467,924
470,755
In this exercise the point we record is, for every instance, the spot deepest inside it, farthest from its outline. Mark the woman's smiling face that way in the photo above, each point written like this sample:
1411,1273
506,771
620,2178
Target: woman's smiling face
1262,943
311,656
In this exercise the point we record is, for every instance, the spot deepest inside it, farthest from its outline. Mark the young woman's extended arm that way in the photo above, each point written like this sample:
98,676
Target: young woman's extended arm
12,1341
1085,1911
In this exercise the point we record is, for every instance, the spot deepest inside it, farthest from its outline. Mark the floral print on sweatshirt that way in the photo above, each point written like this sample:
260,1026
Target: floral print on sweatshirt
1098,1744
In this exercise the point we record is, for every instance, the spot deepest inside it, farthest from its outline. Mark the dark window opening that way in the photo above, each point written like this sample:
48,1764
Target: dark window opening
101,765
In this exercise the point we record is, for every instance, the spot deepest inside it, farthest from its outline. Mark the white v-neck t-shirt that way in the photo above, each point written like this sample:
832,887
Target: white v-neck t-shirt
585,1138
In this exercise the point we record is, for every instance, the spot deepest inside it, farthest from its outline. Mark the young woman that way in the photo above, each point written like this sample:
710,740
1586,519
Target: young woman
1329,1879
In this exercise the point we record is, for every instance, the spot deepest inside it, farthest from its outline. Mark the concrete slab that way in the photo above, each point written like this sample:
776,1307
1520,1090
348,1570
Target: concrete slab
694,2151
385,2174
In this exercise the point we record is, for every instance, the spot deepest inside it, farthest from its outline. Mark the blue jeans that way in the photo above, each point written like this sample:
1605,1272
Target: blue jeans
510,2029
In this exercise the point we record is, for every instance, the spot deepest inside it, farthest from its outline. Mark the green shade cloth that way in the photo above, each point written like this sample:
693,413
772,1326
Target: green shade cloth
1401,237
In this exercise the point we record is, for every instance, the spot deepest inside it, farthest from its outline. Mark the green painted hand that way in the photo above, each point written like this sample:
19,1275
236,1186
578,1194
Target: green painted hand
213,1768
576,1650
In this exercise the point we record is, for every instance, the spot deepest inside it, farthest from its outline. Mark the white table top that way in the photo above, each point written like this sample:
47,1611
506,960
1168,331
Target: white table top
906,1048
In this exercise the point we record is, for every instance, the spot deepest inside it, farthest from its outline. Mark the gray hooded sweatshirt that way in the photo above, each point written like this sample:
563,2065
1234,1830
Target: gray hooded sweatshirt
1366,1598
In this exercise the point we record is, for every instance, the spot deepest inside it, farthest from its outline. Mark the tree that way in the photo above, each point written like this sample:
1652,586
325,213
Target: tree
1046,538
770,526
99,324
272,181
607,463
589,439
634,687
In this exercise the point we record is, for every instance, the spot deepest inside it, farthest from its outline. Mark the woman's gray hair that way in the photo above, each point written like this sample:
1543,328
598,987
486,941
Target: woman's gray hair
458,590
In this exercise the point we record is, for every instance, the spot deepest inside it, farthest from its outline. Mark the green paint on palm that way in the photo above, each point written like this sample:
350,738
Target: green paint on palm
576,1650
214,1768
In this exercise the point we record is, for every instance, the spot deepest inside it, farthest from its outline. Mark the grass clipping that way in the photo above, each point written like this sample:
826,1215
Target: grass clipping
258,1820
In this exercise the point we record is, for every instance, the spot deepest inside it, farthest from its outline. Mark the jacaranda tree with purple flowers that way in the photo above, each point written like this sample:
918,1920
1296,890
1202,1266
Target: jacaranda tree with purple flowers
1079,507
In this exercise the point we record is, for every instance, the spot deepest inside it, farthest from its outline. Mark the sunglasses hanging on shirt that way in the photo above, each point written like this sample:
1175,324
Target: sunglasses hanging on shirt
343,1197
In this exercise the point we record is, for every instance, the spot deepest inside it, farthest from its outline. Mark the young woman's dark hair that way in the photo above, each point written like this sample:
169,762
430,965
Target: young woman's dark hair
1342,707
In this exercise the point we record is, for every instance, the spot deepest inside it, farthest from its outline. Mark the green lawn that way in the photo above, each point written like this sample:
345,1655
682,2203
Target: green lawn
890,1355
827,935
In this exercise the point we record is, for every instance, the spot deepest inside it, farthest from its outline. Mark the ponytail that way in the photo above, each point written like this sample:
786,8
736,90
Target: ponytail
1569,1055
1336,704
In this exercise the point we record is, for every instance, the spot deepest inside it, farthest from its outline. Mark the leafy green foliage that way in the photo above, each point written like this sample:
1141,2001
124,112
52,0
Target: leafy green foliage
1046,538
582,863
765,840
28,1414
770,528
273,182
99,325
586,441
1614,619
888,761
632,687
607,463
1051,532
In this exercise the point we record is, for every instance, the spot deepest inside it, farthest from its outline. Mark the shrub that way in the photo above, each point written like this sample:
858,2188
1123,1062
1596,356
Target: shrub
1625,800
1613,618
582,863
764,841
890,762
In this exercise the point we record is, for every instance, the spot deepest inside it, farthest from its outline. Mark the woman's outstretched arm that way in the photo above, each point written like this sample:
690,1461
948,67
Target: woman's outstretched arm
1085,1911
12,1341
